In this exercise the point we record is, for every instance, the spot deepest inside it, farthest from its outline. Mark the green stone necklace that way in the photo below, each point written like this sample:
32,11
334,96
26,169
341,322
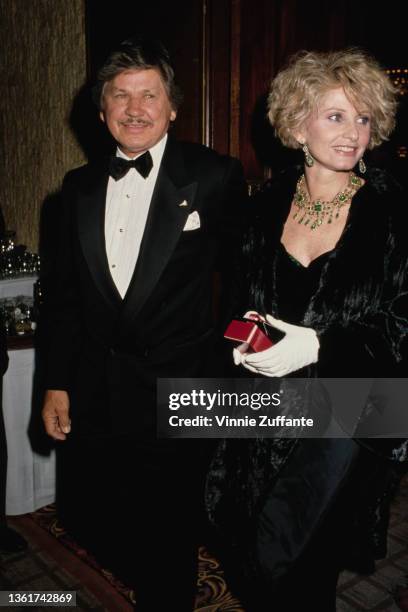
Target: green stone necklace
314,213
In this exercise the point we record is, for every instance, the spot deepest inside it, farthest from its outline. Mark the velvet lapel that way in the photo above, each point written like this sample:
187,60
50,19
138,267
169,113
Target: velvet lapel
171,204
91,230
275,205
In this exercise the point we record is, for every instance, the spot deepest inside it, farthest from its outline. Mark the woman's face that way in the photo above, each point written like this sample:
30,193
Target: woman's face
337,134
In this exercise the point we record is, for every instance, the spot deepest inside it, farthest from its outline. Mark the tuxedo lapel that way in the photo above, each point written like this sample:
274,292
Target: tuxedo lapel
91,231
171,204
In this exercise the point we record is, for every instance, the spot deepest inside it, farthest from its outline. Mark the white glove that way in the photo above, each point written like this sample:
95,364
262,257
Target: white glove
299,348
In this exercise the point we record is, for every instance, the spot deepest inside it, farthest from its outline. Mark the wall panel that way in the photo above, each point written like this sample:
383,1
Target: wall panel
42,64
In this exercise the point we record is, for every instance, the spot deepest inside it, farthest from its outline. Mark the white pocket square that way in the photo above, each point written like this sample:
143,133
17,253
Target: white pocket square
193,222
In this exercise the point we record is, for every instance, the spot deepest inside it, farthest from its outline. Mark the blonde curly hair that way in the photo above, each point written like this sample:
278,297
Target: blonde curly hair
295,91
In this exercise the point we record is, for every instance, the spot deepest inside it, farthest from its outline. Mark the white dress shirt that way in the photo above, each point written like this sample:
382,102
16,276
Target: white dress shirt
127,206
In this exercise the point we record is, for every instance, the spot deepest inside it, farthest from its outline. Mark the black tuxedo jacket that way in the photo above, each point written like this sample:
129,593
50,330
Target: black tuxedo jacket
107,352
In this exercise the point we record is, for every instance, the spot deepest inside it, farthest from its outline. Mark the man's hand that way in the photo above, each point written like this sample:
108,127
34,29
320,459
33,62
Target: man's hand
55,414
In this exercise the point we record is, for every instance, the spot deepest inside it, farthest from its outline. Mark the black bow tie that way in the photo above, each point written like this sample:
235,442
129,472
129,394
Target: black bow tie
118,166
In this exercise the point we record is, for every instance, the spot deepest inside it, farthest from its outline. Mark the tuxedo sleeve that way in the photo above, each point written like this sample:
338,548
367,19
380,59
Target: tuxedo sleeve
61,318
234,200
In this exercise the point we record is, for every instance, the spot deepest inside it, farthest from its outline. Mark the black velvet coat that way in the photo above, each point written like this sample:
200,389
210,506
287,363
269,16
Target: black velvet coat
359,310
360,313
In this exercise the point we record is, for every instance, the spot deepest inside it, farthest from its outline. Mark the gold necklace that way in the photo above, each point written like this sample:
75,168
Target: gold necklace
316,211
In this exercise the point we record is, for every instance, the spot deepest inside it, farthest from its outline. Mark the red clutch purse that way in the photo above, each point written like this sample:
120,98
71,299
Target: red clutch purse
254,332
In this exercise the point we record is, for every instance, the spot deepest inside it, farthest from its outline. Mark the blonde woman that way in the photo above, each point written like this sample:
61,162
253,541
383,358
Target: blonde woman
325,261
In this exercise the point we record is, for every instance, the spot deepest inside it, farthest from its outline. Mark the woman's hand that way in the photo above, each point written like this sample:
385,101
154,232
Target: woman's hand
299,348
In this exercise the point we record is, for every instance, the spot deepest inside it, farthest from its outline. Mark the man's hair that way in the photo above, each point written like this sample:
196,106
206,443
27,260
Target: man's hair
296,90
138,54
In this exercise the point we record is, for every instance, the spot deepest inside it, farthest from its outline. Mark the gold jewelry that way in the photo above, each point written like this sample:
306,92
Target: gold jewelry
308,158
361,166
314,213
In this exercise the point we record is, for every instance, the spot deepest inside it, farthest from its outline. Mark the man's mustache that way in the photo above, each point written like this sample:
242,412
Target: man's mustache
136,122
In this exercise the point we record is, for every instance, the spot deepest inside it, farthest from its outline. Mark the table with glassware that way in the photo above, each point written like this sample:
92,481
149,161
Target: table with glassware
30,475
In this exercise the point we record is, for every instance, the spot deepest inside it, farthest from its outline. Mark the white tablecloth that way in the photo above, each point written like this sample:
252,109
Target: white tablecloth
17,286
30,476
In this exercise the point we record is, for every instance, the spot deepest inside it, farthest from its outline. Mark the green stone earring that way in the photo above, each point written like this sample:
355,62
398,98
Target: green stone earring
308,158
361,166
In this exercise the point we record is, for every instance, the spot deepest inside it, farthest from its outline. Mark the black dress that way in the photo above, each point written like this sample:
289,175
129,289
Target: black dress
313,576
296,284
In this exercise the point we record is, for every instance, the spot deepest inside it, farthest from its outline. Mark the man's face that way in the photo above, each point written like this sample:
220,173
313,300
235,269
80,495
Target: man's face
137,110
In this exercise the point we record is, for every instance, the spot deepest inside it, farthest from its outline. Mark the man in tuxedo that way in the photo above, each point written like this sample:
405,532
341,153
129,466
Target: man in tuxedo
142,235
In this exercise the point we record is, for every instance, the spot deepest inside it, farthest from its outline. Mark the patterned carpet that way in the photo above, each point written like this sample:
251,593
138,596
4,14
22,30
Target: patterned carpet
48,566
212,592
386,590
